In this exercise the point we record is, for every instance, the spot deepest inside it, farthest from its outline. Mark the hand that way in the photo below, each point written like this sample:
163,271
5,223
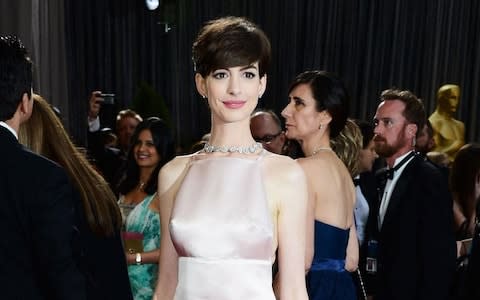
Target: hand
94,105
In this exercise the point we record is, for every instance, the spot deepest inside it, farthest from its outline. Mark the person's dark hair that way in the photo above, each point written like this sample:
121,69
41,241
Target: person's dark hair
329,93
197,146
367,131
414,110
165,146
429,128
15,75
230,42
463,175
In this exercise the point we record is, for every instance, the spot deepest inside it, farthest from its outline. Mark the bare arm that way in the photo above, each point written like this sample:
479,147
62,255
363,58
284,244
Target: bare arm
148,257
309,230
168,182
292,213
351,260
458,216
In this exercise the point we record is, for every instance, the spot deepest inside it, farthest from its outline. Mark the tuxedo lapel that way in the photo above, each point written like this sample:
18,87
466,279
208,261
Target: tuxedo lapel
7,138
398,194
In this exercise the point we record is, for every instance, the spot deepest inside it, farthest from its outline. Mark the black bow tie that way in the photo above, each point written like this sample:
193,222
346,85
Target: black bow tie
385,173
389,173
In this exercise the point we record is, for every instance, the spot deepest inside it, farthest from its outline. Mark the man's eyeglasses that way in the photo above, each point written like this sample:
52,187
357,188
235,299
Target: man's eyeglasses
267,139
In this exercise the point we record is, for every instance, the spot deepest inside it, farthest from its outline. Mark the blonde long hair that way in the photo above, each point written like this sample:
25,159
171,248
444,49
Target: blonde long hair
347,146
44,134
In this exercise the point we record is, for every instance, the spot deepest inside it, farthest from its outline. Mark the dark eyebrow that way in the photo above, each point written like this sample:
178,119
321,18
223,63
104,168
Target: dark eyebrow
297,98
249,67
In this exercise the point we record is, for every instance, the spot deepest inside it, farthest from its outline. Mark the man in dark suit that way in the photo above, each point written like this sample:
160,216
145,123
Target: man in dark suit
110,161
416,244
36,200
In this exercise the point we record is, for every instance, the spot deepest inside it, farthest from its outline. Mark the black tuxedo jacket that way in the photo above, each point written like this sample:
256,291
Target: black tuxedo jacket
417,249
37,227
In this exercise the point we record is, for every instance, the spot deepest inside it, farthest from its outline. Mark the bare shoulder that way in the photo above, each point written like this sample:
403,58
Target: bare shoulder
318,162
172,172
285,183
283,169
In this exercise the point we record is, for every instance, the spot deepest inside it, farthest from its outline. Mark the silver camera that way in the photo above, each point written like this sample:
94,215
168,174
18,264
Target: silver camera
108,98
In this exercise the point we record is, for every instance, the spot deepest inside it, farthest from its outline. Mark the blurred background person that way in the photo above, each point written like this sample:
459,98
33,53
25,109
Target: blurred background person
425,145
316,113
110,159
347,145
152,147
99,250
449,133
465,187
266,128
127,122
364,181
425,141
366,206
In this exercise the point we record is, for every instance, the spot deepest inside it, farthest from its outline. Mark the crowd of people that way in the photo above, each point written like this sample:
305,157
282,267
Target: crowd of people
316,205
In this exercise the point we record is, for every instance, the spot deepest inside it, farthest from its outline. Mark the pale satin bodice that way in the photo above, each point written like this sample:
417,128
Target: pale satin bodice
222,230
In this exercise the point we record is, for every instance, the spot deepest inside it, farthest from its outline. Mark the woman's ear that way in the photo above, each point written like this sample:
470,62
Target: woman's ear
263,86
201,85
325,117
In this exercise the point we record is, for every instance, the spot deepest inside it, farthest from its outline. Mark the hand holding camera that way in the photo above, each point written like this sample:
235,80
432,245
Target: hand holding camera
97,99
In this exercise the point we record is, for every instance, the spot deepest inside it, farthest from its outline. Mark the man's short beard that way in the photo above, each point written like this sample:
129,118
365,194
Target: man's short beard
385,150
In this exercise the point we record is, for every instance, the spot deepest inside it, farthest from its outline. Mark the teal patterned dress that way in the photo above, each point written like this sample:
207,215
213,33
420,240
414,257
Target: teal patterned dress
142,219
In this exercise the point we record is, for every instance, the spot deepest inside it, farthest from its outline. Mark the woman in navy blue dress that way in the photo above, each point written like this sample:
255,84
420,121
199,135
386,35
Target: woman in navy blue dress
317,112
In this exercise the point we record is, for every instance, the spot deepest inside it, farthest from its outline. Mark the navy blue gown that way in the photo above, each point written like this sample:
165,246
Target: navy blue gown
328,278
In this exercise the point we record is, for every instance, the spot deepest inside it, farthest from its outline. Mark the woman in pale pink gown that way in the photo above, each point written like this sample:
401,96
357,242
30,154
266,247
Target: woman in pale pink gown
227,208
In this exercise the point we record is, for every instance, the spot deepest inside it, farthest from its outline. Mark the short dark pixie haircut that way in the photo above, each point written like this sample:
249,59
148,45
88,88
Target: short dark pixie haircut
15,75
230,42
329,93
414,110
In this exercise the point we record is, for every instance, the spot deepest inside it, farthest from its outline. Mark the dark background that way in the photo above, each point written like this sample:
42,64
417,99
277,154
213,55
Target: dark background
115,45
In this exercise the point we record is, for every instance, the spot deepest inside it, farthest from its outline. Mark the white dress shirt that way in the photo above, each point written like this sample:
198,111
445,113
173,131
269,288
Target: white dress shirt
389,187
93,124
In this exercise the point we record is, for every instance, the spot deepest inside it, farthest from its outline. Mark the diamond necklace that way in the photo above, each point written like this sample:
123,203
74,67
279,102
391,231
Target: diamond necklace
319,149
232,149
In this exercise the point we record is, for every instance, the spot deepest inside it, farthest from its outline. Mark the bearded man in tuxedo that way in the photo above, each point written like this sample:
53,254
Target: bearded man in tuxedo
416,244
